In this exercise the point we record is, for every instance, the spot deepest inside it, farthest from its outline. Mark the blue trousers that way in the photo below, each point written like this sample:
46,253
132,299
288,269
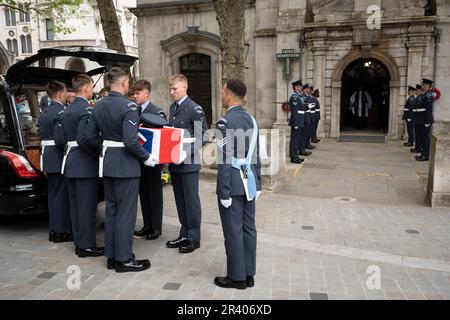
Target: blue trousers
239,231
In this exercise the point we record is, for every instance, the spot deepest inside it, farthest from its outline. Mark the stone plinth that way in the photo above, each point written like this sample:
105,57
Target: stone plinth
273,160
438,192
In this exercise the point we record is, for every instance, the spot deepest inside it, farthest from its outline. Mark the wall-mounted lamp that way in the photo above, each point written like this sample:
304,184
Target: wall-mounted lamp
247,49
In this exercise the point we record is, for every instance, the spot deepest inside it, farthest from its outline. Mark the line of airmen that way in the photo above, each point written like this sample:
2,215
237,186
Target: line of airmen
418,114
74,137
304,120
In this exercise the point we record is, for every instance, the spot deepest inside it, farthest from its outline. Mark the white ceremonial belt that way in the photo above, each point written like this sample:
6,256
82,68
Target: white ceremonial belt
69,146
420,110
107,144
189,140
45,143
405,109
48,143
308,111
301,112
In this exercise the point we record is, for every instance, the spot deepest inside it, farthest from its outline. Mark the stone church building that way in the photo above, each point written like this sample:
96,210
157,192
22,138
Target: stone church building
336,45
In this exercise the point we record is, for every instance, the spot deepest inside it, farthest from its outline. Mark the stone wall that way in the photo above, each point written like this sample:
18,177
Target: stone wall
337,34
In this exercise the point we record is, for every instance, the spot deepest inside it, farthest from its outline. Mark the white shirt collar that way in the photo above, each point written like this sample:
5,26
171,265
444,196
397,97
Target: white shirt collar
82,98
145,105
181,100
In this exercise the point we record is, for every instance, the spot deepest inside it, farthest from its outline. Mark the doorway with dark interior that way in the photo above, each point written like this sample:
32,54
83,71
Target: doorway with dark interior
365,97
197,68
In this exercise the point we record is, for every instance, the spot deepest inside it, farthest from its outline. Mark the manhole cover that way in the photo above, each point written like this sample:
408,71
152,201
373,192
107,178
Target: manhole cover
345,199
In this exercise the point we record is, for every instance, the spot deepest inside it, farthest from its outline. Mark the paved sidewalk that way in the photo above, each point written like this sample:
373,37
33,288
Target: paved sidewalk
310,246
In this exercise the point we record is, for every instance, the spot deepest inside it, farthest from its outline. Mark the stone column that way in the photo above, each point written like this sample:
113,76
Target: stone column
394,131
441,110
336,87
319,55
416,45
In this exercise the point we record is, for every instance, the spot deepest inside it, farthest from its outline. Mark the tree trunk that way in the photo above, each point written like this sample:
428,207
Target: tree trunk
110,25
230,15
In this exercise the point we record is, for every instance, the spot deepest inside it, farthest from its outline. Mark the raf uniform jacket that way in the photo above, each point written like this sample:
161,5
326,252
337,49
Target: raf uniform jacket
115,118
306,101
190,117
423,109
316,108
81,162
408,109
229,181
152,109
53,155
297,119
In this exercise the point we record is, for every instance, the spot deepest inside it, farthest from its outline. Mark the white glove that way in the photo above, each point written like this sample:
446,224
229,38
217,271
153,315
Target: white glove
296,128
183,157
151,161
226,203
409,120
258,193
427,125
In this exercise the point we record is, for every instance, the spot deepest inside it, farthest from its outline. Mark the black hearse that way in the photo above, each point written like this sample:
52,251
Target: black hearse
23,187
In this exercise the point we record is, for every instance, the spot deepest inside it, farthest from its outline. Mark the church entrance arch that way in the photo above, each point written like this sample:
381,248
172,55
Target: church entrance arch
365,96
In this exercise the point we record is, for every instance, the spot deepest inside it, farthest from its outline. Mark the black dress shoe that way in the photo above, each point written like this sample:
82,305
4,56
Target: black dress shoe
69,235
310,147
51,236
177,243
189,246
62,237
142,233
415,150
250,282
305,153
91,252
132,265
111,264
297,161
315,141
153,236
406,144
225,282
422,158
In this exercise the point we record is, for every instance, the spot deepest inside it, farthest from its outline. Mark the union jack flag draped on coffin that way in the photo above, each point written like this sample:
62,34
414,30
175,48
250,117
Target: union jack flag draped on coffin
165,144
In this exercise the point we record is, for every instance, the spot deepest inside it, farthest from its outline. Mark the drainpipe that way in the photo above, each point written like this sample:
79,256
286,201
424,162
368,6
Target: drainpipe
301,46
437,39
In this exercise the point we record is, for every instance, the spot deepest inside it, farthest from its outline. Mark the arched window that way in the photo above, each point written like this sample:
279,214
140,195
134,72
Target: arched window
23,43
9,45
12,46
29,44
23,13
10,16
15,47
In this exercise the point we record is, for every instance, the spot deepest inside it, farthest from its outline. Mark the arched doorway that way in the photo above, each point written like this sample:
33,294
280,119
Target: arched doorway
371,78
197,68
